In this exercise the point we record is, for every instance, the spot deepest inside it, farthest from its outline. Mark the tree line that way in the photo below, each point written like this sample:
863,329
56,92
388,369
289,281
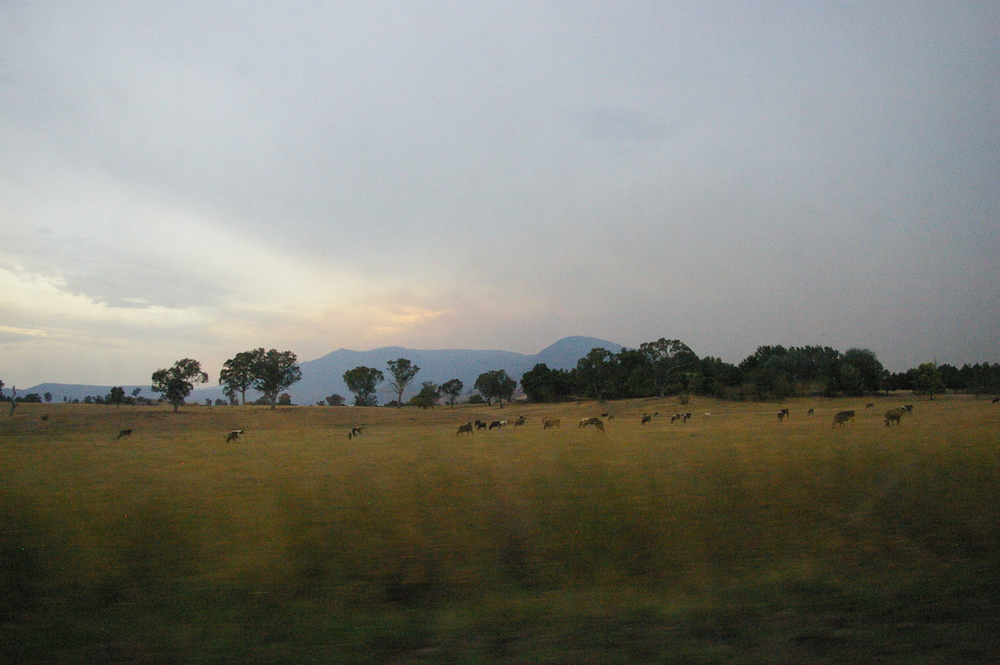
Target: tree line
655,369
670,367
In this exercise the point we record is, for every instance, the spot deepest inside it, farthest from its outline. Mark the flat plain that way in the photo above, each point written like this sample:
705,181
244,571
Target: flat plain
729,538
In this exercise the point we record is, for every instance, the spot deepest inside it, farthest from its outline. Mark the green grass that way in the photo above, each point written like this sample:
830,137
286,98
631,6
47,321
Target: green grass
727,539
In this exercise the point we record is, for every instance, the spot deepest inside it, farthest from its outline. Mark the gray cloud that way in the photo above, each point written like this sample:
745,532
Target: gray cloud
502,174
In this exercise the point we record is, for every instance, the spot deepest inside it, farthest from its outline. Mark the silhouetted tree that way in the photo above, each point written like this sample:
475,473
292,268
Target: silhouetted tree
541,384
116,396
596,372
402,372
362,382
496,385
451,389
175,383
926,380
274,371
237,373
427,397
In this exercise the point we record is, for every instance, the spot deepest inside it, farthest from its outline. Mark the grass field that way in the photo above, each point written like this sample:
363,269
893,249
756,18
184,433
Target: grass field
731,538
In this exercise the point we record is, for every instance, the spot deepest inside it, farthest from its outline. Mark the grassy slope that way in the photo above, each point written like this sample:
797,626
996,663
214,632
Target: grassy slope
730,538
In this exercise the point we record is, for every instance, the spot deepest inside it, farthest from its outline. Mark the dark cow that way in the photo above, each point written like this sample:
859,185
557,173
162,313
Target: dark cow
123,433
908,407
497,424
480,424
894,416
782,415
646,418
995,400
355,431
596,422
810,412
233,435
674,417
520,421
842,417
464,429
869,405
550,423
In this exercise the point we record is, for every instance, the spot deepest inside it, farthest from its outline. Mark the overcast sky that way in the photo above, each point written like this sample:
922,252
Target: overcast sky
195,179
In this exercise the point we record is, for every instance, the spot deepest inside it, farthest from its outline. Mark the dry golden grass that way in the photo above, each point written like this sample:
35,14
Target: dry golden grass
410,515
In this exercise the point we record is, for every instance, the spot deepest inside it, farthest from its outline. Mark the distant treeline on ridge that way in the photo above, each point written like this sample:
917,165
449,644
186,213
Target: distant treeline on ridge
670,367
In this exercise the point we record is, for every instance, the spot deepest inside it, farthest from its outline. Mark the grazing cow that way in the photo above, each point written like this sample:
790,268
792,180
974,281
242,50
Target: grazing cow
233,435
995,400
782,414
480,424
894,416
520,421
869,405
550,423
842,417
810,412
464,429
908,407
355,431
674,417
123,433
45,416
646,418
707,414
497,424
596,422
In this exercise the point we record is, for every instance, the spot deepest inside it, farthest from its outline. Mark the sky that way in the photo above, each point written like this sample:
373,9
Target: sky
196,179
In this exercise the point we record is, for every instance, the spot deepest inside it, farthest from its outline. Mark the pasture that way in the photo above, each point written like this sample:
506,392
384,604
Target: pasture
730,538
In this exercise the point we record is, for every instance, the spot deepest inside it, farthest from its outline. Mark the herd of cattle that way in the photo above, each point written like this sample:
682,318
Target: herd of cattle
893,416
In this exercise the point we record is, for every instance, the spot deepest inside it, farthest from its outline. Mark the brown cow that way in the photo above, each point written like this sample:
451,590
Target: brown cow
464,429
894,416
550,423
842,417
596,422
233,435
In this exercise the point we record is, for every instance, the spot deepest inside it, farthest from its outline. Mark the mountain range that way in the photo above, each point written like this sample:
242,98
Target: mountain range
324,376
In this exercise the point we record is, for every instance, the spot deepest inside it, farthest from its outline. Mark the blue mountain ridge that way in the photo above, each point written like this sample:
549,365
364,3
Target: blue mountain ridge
324,376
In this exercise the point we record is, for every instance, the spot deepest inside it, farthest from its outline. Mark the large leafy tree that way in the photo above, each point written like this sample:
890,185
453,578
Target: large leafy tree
237,373
541,384
177,382
926,380
596,373
428,396
496,385
669,360
362,382
401,373
861,372
451,389
274,371
116,396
